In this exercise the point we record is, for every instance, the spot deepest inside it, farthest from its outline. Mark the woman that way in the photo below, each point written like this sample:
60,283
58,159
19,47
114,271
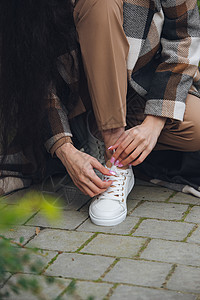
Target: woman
162,67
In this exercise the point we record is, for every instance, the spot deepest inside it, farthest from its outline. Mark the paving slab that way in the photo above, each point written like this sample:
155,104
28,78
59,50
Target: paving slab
80,266
119,246
139,182
2,205
166,211
14,198
140,293
131,204
137,272
185,198
68,220
167,230
150,193
123,228
59,240
5,278
195,237
172,252
17,232
85,289
49,291
19,220
39,258
185,279
194,215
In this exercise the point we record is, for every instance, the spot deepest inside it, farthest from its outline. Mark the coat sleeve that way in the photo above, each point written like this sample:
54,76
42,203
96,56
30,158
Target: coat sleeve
180,55
55,125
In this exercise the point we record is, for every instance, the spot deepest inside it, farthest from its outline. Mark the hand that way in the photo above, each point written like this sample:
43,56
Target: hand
135,144
80,166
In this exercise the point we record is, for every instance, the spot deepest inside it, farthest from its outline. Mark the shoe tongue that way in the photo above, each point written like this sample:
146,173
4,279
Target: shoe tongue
111,167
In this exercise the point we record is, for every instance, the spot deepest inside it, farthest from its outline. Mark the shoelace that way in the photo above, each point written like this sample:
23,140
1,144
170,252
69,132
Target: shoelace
116,190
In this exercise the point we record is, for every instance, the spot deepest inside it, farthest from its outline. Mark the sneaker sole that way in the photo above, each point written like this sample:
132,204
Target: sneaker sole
111,222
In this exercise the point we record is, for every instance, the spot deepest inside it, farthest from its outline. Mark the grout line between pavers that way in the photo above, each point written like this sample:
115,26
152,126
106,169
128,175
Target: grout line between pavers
111,291
169,220
170,197
144,246
187,212
169,275
117,259
67,289
141,219
81,223
122,283
31,217
86,243
137,205
33,236
85,204
190,233
184,203
50,263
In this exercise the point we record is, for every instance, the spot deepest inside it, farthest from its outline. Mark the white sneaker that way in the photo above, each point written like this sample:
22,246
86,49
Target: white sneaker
109,208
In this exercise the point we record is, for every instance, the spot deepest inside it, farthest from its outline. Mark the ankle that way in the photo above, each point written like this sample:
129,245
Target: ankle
110,136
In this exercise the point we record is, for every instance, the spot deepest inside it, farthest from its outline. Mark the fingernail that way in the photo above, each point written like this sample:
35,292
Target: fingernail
109,147
120,165
112,160
130,165
116,163
113,173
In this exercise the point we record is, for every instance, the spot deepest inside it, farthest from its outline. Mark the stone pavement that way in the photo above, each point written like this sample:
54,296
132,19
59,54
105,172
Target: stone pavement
153,255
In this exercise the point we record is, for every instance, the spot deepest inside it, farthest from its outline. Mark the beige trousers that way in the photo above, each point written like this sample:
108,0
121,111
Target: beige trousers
104,49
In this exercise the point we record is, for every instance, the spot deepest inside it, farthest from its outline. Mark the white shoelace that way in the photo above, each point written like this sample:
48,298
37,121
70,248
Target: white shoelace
116,190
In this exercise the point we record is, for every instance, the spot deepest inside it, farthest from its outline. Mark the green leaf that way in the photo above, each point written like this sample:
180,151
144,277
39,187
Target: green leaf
21,240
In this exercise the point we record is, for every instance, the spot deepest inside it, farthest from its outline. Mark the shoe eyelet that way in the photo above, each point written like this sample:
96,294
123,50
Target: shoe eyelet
122,200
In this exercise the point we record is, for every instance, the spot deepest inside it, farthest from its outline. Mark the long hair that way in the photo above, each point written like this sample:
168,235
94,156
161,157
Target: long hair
33,33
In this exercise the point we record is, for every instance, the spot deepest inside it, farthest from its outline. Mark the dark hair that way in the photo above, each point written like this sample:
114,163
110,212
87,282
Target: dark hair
33,33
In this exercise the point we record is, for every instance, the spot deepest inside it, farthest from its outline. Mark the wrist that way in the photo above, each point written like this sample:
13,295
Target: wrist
155,121
63,149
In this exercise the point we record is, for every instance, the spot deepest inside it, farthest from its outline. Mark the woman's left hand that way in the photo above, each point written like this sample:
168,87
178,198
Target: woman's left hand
135,144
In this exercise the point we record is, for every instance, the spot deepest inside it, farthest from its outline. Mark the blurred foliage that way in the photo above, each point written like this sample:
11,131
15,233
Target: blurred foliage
14,256
198,2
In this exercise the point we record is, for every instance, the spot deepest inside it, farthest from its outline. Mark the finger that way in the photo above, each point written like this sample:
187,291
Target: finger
122,147
100,167
141,158
138,151
80,188
86,190
127,151
92,186
118,142
132,155
98,182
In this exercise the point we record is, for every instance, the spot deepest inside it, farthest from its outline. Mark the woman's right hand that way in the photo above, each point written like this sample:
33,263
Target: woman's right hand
80,167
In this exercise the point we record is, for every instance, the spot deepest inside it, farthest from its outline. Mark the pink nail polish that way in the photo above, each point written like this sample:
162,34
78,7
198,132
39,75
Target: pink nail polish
109,147
112,173
130,165
112,160
120,165
116,163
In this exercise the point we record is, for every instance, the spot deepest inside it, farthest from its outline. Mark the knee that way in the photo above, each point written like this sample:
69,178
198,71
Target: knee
194,144
104,10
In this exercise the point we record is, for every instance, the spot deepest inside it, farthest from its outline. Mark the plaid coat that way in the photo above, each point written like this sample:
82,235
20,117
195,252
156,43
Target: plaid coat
164,38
